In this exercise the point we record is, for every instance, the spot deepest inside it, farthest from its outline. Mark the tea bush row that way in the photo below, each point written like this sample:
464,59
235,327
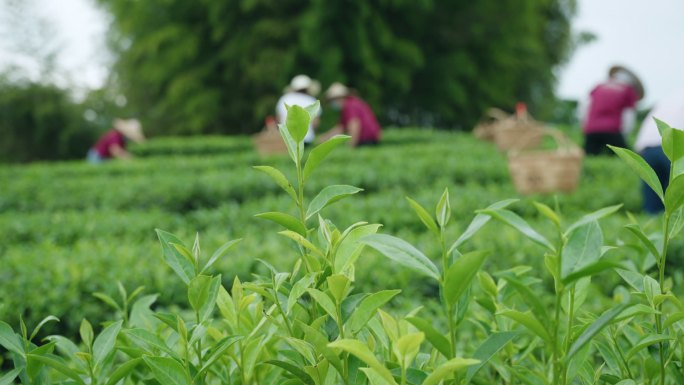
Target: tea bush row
568,307
97,221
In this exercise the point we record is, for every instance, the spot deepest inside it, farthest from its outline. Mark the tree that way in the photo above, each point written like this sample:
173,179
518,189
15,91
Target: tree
210,66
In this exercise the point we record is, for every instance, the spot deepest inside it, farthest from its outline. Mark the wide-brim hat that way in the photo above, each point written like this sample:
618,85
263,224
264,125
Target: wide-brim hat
336,90
130,128
300,83
635,81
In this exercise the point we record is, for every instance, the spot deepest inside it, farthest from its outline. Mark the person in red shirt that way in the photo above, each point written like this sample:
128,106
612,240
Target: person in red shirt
611,112
112,144
356,117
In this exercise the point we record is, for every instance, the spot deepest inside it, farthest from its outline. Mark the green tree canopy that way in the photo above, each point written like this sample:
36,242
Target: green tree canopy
211,66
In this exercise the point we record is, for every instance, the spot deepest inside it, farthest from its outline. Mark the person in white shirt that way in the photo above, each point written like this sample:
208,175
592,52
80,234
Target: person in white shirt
649,144
301,92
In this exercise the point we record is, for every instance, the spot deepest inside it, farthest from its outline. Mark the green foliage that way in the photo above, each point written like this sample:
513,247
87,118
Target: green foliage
320,312
41,122
216,67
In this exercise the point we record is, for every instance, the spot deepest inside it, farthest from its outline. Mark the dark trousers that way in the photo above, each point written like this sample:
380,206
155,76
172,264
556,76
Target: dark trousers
655,157
595,144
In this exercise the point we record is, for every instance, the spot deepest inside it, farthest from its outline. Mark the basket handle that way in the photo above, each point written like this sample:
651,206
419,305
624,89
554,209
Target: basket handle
497,114
563,142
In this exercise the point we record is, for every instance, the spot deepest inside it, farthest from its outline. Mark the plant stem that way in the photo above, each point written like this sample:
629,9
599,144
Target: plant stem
449,308
661,281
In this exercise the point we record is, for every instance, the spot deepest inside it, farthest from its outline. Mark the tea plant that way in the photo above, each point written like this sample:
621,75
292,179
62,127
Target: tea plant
311,324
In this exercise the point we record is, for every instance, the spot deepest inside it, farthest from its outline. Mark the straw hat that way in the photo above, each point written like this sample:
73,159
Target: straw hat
300,82
634,79
336,90
130,128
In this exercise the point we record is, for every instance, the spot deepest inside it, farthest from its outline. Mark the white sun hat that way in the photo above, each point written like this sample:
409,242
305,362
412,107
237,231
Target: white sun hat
300,82
336,90
130,128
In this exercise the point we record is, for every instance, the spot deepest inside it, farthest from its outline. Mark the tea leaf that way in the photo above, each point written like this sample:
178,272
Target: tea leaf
435,338
403,253
179,264
329,195
360,350
529,297
529,322
582,248
10,340
320,341
591,270
648,340
459,275
666,135
634,279
478,222
8,378
280,180
104,343
298,289
673,318
349,249
45,320
338,284
86,332
443,210
167,371
594,216
374,378
641,168
295,370
123,370
305,349
145,338
56,363
547,212
324,301
107,299
202,293
636,230
294,149
320,152
514,220
424,216
492,345
302,241
406,348
588,334
674,195
219,253
216,352
286,220
297,122
448,369
367,309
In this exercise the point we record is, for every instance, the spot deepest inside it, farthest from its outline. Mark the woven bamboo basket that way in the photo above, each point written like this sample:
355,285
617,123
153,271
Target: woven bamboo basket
546,171
269,142
487,126
514,133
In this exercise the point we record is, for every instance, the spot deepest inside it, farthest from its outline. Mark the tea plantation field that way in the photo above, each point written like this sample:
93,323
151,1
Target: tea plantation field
69,230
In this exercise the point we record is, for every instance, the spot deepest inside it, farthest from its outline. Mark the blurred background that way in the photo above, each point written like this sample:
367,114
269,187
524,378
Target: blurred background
218,67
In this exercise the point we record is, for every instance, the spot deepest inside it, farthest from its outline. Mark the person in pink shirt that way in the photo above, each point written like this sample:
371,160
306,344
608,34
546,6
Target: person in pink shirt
611,111
112,144
356,117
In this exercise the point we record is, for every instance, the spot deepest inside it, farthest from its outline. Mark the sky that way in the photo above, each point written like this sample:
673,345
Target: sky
645,36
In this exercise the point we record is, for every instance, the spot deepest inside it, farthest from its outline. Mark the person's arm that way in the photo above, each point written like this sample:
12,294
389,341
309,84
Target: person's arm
354,130
119,152
337,130
628,120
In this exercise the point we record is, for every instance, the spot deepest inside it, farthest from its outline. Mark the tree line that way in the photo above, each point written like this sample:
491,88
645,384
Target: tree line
206,66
